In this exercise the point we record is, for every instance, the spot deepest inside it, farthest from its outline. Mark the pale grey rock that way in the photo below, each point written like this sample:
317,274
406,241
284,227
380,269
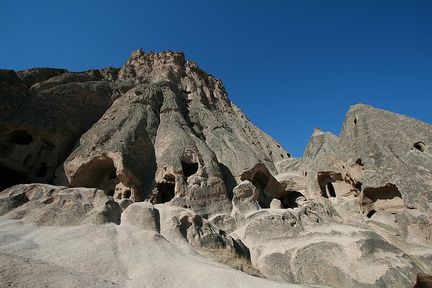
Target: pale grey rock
276,204
197,235
354,211
108,256
44,204
142,215
393,149
245,198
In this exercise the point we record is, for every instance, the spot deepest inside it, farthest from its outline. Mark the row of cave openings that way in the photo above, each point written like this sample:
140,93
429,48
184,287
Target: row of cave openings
369,196
17,169
103,175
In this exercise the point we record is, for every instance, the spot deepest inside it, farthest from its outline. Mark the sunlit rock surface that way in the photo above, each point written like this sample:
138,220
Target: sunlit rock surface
149,176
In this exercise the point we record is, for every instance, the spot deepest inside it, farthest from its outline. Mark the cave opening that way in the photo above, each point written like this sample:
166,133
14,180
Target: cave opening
260,181
127,194
419,146
112,174
370,213
99,173
165,192
10,177
42,171
290,200
110,192
189,168
387,192
384,198
20,137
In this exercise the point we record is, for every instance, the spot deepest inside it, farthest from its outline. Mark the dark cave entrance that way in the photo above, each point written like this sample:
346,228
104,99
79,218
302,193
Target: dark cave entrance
189,168
290,200
388,196
419,146
165,192
20,137
387,192
42,171
10,177
260,181
370,213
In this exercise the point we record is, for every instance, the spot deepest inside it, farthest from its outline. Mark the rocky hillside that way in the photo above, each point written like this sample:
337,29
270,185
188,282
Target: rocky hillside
149,176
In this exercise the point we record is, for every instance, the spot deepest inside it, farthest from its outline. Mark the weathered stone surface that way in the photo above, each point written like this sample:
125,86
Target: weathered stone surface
245,198
378,169
393,149
354,211
108,256
276,204
38,135
190,230
52,205
142,215
36,75
158,107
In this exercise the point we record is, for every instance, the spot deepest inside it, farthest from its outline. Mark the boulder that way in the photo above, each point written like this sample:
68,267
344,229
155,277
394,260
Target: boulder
142,215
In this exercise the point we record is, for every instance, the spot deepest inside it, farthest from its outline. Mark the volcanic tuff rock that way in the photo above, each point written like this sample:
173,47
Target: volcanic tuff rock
160,178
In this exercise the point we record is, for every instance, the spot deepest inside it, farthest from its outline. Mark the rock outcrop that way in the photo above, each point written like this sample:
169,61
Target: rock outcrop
191,141
116,166
60,206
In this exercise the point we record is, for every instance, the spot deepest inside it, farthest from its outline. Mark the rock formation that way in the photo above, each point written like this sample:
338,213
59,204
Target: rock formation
153,171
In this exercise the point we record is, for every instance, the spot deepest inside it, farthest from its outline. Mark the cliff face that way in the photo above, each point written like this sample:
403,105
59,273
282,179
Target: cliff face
147,169
157,127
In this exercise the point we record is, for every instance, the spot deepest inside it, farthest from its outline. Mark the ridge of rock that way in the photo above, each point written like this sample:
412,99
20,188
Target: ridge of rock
148,175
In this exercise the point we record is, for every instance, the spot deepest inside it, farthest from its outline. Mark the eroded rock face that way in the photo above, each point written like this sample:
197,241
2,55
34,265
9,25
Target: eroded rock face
158,128
376,175
354,211
39,132
60,206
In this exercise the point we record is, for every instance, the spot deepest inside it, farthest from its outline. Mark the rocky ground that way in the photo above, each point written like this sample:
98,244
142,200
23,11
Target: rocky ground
149,176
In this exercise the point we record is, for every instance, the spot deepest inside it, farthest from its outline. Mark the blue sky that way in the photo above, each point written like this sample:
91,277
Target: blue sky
289,65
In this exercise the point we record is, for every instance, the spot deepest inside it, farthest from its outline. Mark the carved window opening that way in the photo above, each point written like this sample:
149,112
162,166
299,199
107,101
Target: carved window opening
370,213
419,146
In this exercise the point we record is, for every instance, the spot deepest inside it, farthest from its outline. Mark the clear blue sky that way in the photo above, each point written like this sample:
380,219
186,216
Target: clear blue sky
289,65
